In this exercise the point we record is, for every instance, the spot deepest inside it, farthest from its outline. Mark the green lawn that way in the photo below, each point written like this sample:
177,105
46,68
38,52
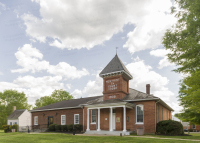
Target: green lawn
194,136
63,138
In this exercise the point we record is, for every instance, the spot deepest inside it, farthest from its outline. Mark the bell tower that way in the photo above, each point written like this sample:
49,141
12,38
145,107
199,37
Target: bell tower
115,79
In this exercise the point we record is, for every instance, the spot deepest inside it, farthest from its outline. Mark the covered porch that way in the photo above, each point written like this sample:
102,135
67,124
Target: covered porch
110,117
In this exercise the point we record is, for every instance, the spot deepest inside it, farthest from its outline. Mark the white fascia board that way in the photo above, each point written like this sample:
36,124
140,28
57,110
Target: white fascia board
120,104
55,109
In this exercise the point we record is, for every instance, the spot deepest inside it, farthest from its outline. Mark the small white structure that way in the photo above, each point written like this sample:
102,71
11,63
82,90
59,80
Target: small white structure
20,117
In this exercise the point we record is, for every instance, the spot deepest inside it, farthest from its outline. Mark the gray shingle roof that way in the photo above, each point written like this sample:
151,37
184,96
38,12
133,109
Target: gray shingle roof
67,103
135,95
16,114
115,65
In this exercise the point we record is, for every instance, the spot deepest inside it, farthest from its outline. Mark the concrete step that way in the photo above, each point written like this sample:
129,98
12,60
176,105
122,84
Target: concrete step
117,133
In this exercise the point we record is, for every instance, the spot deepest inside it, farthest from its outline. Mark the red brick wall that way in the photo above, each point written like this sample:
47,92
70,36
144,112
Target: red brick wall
43,116
197,128
166,113
118,81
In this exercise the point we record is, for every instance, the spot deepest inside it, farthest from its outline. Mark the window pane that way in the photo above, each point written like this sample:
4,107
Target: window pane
76,119
94,115
139,114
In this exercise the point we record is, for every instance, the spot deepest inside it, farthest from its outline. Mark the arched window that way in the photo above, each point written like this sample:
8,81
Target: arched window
139,114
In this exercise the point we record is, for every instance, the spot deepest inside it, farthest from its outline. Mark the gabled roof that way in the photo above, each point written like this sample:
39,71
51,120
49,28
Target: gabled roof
115,65
16,114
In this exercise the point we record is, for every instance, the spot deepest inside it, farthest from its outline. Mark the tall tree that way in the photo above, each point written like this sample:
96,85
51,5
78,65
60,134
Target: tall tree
56,96
183,40
8,99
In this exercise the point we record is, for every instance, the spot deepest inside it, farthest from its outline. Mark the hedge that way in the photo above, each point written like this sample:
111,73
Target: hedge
70,127
58,127
64,127
78,127
169,127
15,126
52,127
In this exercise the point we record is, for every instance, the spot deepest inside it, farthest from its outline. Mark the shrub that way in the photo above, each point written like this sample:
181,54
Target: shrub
78,127
7,128
52,127
57,127
169,127
70,127
190,130
64,127
15,126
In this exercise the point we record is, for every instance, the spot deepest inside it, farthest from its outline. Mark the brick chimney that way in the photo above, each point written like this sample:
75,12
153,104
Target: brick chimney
147,88
14,108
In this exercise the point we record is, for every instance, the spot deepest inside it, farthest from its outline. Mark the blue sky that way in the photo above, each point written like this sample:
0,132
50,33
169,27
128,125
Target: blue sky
47,45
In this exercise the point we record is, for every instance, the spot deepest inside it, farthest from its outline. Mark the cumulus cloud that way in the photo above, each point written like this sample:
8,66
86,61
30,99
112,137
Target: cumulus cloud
34,87
2,7
77,93
162,53
84,24
143,74
31,59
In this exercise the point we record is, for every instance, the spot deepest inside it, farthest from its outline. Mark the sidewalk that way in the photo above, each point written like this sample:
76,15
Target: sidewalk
163,138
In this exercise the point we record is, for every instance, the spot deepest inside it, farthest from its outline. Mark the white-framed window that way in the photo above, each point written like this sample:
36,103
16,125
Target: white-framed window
76,118
93,116
15,123
63,119
36,120
193,126
139,114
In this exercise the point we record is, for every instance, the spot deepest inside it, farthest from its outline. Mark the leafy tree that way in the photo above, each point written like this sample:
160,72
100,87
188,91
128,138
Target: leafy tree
56,96
189,95
183,40
8,99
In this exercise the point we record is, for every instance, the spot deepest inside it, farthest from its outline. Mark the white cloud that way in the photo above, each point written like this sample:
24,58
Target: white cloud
1,73
75,24
162,53
143,74
68,86
34,87
77,93
30,59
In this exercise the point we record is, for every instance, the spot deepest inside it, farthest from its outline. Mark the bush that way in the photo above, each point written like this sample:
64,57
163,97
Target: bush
190,130
64,127
70,127
7,128
169,127
78,127
15,126
52,127
58,127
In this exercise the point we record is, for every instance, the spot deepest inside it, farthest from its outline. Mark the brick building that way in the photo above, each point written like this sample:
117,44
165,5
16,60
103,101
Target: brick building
120,109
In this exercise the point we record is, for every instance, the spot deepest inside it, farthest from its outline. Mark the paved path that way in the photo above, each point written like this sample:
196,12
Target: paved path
164,138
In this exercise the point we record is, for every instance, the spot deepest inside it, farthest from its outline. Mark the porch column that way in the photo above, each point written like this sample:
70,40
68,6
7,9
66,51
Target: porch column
88,123
111,114
98,129
124,127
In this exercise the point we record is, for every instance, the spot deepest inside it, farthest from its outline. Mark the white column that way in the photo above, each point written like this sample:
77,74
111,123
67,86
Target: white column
88,123
98,129
124,127
111,114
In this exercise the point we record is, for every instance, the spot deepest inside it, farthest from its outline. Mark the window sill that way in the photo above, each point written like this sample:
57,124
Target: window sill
139,123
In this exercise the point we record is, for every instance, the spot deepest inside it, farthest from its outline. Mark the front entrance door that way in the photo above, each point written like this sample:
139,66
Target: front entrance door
113,121
50,120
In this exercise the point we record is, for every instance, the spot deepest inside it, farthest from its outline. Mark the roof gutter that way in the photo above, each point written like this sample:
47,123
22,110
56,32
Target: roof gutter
55,109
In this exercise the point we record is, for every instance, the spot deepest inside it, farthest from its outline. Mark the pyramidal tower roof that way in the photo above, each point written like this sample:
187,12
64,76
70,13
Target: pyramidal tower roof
115,66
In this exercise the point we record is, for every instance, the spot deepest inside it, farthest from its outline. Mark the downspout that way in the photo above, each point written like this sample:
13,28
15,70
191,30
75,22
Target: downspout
155,113
83,117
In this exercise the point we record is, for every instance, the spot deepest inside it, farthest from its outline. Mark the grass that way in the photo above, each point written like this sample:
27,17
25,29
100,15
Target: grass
193,136
63,138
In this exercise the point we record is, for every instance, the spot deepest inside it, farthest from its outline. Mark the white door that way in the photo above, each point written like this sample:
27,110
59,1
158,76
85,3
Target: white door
113,121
